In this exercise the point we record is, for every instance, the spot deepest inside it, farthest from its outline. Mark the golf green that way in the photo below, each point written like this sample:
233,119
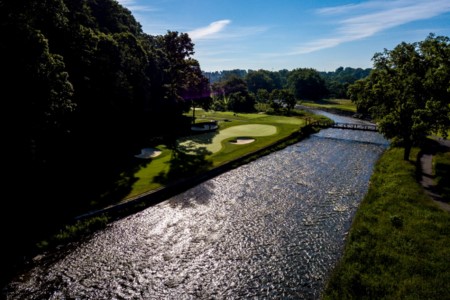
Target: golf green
215,144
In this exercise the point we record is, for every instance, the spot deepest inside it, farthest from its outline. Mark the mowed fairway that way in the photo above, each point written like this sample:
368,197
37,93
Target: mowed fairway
216,147
250,130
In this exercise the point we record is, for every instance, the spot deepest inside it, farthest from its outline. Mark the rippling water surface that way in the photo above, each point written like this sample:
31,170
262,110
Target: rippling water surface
273,228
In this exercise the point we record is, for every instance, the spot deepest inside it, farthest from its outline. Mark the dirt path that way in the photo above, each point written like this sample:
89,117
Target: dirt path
427,180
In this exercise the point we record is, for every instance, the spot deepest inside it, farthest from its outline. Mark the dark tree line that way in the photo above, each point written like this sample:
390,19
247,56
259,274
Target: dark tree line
303,83
241,90
337,82
83,88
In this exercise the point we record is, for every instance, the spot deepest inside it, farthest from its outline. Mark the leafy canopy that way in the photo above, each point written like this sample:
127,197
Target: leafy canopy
408,91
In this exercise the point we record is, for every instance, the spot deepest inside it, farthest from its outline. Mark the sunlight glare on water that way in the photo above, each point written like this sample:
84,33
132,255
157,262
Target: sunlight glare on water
273,228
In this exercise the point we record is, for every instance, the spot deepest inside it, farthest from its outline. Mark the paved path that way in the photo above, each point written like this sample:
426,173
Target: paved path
427,180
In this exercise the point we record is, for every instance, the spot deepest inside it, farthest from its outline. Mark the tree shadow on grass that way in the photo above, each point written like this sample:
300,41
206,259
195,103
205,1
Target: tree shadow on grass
188,160
435,180
120,184
201,138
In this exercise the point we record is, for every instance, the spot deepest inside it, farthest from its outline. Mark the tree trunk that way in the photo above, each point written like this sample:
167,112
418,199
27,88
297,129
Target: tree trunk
407,151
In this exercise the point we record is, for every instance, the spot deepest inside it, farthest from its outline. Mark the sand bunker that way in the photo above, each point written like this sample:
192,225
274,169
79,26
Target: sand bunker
148,153
242,141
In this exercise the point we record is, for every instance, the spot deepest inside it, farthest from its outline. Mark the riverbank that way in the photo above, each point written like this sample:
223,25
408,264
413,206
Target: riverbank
271,228
152,197
397,247
85,225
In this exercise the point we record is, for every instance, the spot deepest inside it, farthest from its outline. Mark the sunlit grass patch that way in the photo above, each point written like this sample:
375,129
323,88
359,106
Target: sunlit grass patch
212,149
146,174
248,130
202,115
214,144
339,104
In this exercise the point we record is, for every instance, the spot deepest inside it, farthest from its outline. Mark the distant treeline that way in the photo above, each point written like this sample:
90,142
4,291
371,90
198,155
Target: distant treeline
335,83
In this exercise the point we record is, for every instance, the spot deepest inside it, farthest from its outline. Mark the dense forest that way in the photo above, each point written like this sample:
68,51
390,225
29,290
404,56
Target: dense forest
332,84
84,89
277,91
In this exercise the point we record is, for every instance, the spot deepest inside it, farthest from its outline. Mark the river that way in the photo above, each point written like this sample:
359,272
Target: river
273,228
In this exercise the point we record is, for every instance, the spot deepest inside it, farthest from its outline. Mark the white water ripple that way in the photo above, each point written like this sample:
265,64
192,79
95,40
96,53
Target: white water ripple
271,229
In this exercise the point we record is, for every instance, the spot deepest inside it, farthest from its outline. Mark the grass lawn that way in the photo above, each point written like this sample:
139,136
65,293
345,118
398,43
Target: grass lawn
214,141
201,152
339,104
398,246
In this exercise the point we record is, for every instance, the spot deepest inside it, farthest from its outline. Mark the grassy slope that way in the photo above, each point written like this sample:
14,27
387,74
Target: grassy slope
345,105
398,246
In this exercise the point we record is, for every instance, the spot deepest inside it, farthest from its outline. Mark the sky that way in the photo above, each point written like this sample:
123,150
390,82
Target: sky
289,34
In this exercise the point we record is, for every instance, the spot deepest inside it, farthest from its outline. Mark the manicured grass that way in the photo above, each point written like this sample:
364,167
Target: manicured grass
147,172
201,152
248,130
339,104
202,115
398,246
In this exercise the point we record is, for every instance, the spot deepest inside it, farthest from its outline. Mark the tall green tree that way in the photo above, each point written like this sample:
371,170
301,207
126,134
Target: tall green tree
37,101
233,93
175,50
288,100
282,99
262,95
337,82
259,80
408,92
196,90
306,83
436,53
